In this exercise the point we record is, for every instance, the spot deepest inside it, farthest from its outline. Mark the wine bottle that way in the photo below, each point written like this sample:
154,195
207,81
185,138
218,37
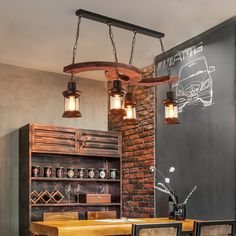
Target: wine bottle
171,205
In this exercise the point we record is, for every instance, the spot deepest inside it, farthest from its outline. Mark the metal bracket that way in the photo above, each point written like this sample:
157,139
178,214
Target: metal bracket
119,24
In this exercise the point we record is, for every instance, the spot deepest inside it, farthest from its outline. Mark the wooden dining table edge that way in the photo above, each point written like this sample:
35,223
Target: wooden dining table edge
99,228
39,229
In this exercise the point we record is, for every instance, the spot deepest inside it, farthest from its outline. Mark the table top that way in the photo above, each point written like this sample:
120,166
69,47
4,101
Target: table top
99,227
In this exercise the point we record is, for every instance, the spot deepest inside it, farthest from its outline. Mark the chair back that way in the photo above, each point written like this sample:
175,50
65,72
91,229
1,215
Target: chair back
215,228
168,229
93,215
67,215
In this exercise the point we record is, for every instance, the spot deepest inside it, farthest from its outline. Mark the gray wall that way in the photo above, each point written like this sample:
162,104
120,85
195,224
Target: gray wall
32,96
202,147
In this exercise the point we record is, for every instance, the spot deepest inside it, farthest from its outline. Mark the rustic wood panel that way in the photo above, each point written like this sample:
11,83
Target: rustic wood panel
100,143
93,215
53,139
95,198
60,215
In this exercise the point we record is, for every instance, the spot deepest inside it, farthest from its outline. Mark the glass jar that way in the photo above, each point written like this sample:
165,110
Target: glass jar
59,172
91,173
81,173
35,171
70,172
48,171
102,173
113,173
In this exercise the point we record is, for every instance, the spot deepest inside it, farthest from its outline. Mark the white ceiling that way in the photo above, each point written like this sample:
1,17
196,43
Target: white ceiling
40,33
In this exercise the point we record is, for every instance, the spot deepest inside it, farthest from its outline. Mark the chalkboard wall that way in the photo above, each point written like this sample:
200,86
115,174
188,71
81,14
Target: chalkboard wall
202,147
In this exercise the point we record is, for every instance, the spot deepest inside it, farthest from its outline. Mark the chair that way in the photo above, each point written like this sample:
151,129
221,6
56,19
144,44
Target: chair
168,229
50,216
215,228
67,215
93,215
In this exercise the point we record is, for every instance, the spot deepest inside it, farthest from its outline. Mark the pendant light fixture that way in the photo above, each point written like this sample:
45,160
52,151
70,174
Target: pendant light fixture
170,103
72,95
171,109
130,108
116,97
115,71
117,93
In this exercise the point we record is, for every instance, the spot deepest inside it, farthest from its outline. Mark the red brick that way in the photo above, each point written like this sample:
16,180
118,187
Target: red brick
138,156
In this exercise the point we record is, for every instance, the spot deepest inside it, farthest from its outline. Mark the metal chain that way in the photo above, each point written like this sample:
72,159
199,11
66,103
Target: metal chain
164,56
76,40
112,42
132,48
114,48
165,59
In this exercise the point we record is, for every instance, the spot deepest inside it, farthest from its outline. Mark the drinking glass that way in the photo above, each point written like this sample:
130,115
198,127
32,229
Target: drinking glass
68,192
77,193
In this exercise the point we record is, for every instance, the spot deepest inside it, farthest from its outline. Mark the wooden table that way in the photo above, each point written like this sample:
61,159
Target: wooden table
97,227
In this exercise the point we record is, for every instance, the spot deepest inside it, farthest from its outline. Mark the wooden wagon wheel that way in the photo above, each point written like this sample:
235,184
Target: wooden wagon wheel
132,74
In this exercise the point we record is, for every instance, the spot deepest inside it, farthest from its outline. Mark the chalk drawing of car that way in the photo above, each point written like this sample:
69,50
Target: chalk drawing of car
195,84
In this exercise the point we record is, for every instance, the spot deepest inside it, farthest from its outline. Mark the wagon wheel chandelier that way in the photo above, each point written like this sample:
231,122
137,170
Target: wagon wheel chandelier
120,100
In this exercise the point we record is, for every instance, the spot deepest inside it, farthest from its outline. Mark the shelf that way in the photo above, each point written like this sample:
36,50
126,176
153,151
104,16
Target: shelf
63,155
73,179
75,204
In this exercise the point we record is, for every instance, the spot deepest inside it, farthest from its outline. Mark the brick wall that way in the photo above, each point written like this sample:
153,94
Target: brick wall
138,156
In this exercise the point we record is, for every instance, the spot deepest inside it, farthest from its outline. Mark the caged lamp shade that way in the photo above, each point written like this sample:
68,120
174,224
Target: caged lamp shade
171,109
116,97
130,108
71,101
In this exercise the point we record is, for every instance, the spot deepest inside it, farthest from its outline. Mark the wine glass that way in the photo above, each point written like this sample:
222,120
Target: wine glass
68,192
77,192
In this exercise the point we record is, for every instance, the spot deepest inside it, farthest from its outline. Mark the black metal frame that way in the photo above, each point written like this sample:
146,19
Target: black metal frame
199,225
119,24
137,227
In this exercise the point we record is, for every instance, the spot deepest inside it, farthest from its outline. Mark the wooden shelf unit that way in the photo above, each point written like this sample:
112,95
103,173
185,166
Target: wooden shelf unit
66,147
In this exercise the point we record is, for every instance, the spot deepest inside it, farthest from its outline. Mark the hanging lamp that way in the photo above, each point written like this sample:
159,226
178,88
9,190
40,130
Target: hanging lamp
72,101
116,93
116,97
130,102
171,109
170,103
130,109
72,95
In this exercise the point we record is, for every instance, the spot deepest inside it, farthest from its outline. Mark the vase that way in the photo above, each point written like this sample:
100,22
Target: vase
180,211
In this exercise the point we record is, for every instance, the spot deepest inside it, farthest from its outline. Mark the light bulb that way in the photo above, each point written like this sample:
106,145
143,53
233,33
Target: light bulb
129,112
72,103
117,102
171,112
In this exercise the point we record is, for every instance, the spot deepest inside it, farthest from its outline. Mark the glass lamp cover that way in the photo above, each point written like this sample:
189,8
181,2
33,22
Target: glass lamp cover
116,102
72,103
171,114
130,113
171,111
